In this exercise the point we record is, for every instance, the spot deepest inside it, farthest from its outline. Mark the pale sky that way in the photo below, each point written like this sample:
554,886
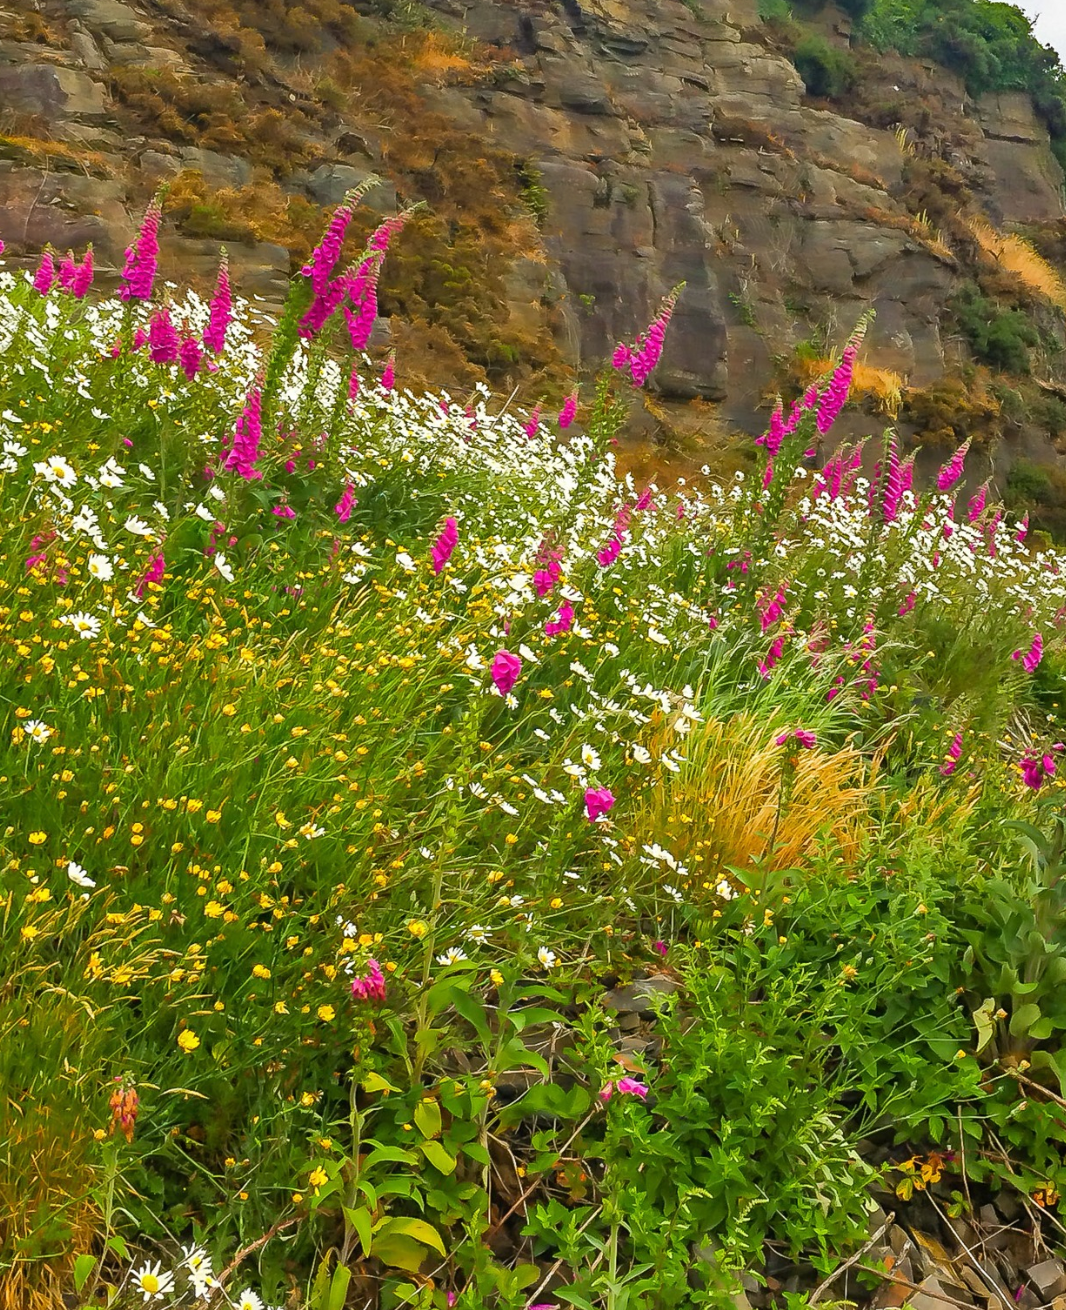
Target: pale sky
1050,21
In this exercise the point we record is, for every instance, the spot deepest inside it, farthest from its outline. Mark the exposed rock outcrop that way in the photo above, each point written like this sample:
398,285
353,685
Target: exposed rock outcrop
671,142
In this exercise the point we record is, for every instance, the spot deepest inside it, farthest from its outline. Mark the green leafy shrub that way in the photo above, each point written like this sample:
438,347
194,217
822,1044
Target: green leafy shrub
827,71
999,338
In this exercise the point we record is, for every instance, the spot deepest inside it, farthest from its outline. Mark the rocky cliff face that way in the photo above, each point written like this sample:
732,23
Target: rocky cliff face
671,142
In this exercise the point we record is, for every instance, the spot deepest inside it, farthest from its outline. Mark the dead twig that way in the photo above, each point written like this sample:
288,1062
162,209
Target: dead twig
826,1283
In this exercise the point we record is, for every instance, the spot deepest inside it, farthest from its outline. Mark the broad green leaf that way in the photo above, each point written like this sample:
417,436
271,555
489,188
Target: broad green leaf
523,1019
374,1082
83,1267
427,1118
418,1229
474,1013
986,1027
119,1247
388,1155
438,1156
338,1288
361,1221
1023,1019
399,1252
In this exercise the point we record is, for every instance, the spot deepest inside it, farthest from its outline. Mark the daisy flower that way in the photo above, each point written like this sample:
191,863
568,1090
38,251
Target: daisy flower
85,625
56,469
40,732
548,959
248,1300
223,567
100,567
151,1282
78,876
453,955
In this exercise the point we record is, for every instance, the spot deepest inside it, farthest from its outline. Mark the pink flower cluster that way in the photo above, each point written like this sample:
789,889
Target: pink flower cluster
445,544
220,310
642,356
598,802
624,1087
951,760
1032,657
563,622
75,278
247,435
772,657
142,258
774,609
346,504
951,472
506,669
154,573
808,740
1036,770
371,986
532,425
569,410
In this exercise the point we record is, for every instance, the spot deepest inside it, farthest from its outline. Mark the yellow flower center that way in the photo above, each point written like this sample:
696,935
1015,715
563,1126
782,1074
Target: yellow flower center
150,1282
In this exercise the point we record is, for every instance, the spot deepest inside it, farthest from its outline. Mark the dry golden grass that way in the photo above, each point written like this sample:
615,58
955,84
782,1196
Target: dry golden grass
1017,256
47,1152
882,386
721,812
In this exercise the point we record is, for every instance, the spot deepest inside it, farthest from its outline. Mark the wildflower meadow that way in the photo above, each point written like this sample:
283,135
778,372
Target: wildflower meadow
437,870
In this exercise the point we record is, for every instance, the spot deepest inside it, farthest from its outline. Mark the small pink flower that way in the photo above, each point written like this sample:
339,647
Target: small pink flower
630,1087
283,512
388,377
569,410
505,671
562,623
660,947
808,740
445,544
598,801
371,986
343,507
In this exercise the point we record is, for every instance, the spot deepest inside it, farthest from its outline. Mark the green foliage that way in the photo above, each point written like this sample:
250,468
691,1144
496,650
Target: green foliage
827,71
999,338
989,44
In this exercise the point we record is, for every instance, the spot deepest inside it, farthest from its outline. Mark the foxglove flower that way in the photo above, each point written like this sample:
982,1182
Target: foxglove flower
190,357
45,277
533,422
388,376
505,671
568,411
562,623
344,506
83,276
1032,657
244,450
220,311
598,802
953,469
445,544
142,258
954,754
163,343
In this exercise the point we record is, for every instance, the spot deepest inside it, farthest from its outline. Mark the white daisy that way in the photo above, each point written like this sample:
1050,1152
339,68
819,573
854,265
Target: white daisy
38,731
223,567
151,1282
137,526
547,958
453,955
589,758
477,932
56,469
85,625
248,1300
78,876
100,567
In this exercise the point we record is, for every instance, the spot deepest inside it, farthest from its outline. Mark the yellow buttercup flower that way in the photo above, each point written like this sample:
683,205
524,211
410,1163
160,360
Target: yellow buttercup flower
188,1040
